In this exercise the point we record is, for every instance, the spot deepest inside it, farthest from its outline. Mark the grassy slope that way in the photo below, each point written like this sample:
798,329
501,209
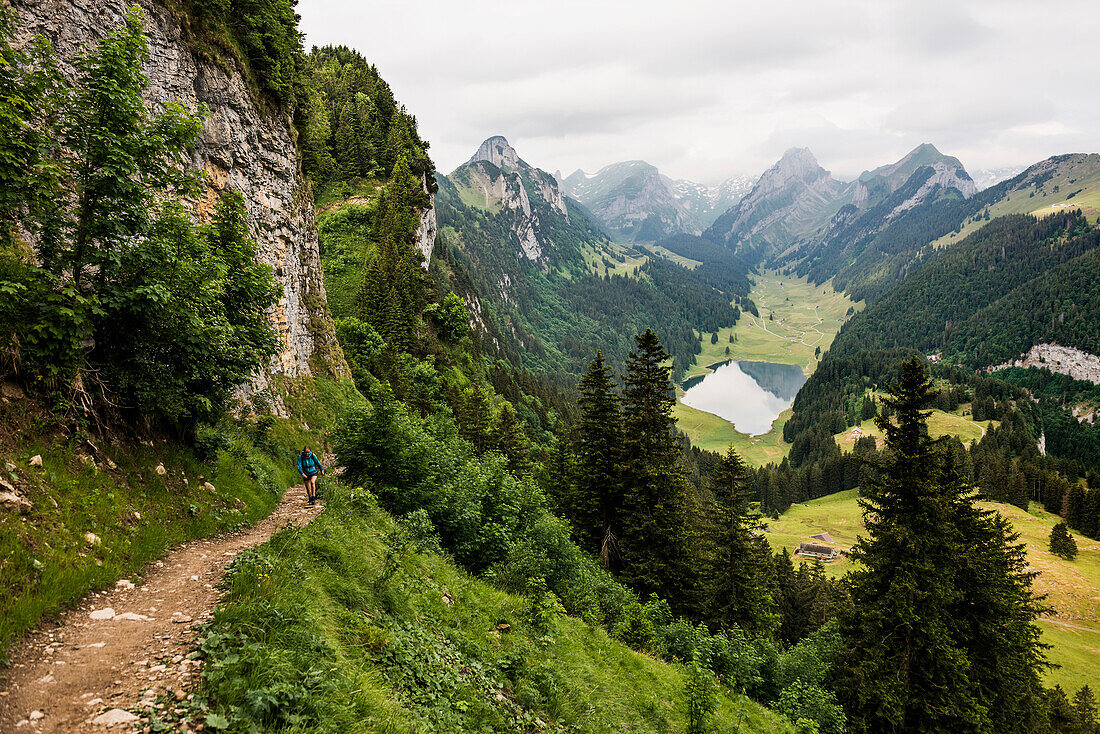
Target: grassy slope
1044,201
46,562
940,423
377,633
811,318
1073,587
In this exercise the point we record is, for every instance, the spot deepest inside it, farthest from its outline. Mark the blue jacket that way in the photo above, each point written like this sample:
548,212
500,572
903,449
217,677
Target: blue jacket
309,464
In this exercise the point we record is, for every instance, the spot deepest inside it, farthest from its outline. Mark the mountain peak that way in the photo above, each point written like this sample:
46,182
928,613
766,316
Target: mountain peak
796,163
499,152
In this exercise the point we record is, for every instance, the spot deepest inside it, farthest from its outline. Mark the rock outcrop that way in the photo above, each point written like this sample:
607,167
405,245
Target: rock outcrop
791,200
497,180
245,146
1064,360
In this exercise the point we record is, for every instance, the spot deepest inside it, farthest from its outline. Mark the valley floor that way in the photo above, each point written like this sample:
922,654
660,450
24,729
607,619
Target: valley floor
796,318
103,657
1072,587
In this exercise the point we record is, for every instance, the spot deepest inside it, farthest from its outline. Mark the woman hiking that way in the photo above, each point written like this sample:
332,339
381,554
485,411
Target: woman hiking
309,466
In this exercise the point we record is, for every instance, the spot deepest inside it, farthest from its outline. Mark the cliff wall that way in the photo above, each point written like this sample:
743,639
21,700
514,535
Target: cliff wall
245,146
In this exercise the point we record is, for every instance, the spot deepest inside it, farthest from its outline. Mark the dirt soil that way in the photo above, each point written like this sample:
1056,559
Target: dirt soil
83,670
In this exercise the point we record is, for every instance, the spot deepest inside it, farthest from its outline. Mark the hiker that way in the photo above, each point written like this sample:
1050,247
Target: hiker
309,466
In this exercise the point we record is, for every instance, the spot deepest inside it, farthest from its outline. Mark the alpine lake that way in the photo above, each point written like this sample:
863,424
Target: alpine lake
750,395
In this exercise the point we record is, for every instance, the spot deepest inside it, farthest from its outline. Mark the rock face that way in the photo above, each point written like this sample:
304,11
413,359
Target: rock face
245,147
633,200
790,201
498,181
1056,358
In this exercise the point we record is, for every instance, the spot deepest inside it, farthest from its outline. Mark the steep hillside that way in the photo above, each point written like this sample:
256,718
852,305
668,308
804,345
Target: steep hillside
547,287
400,639
1058,183
244,147
637,203
894,210
633,200
791,201
1015,283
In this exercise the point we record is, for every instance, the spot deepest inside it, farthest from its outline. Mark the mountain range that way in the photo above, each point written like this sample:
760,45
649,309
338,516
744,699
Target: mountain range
637,203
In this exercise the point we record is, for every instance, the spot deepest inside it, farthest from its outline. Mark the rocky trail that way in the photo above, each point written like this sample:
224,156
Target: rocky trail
128,647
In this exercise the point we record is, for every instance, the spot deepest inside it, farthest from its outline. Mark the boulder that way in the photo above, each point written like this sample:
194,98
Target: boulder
11,390
113,717
36,460
12,502
208,486
91,538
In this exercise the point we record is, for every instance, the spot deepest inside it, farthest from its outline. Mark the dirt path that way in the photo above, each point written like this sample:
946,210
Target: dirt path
81,671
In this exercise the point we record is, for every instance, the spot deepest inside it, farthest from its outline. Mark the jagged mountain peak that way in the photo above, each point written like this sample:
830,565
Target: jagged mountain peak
796,163
498,151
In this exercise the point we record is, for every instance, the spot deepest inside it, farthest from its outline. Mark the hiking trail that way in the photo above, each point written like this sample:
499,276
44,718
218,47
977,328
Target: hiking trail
85,669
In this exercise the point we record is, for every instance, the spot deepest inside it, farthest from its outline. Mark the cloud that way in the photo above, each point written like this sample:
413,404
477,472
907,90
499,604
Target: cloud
706,89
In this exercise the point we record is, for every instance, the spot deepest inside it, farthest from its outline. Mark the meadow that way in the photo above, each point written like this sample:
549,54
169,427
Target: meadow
1072,587
796,318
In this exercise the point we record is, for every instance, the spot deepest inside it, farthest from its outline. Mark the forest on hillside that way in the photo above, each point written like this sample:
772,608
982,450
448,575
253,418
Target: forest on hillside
544,466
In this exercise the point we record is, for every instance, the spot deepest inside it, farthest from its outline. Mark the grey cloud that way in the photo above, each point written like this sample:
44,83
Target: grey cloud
707,88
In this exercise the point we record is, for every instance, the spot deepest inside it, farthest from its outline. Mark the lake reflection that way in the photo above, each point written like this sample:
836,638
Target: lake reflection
750,395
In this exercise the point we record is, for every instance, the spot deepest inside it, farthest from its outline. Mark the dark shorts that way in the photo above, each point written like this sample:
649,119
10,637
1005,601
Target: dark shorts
311,475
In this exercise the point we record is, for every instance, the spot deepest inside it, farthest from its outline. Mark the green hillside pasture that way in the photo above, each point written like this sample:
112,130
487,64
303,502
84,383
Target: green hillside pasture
939,424
668,254
709,432
1072,587
1078,175
354,622
805,317
594,259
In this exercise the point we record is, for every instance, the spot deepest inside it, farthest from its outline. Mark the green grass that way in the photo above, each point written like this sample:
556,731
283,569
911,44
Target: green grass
1072,587
355,624
1077,174
805,317
711,433
668,254
940,423
46,562
594,260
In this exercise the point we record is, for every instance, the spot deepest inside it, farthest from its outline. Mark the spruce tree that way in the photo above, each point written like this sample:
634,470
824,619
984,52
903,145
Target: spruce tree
1062,543
1084,712
597,494
654,537
942,636
735,566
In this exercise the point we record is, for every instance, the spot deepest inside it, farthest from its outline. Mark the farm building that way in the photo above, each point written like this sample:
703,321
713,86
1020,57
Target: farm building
815,550
823,537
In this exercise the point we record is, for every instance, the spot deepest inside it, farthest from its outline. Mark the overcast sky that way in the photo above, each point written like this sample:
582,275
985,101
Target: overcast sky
706,90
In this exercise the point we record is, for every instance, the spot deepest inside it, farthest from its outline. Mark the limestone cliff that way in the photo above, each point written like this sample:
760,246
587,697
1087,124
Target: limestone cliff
244,146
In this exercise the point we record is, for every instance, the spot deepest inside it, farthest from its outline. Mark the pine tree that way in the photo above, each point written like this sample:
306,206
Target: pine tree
735,566
1084,712
1075,506
654,512
942,638
1062,543
594,505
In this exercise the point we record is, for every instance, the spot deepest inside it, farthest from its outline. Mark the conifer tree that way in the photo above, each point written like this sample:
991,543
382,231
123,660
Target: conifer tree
597,493
735,566
1062,543
942,638
654,512
1084,712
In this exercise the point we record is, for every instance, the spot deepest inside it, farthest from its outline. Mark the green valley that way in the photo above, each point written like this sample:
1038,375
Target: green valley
1072,588
796,319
